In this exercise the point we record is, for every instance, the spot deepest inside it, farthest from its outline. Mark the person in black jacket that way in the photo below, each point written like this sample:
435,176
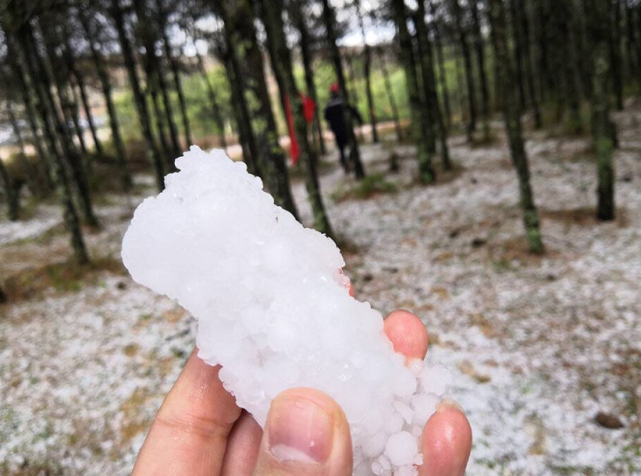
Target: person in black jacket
335,115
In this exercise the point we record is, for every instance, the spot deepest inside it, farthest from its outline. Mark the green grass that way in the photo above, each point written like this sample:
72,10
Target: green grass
369,187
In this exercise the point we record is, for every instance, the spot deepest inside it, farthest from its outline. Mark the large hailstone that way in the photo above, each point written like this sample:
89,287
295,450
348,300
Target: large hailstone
273,308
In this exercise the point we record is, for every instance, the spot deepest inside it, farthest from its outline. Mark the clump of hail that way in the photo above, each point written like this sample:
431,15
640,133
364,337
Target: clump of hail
274,309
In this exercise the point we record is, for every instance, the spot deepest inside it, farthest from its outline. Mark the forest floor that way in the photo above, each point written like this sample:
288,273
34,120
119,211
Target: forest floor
546,351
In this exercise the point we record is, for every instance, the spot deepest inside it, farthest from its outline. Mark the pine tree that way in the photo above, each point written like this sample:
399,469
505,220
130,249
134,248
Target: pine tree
175,69
390,92
427,175
140,100
17,29
272,15
38,69
156,81
105,84
367,70
438,43
459,23
429,82
601,123
512,114
479,46
10,192
247,61
213,100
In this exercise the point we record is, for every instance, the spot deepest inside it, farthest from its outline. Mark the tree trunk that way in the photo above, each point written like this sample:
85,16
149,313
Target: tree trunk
175,71
40,70
518,54
524,25
272,15
13,201
615,52
630,40
427,175
80,80
467,62
601,124
438,41
32,120
354,153
308,61
543,17
33,177
367,70
511,111
47,113
390,94
159,116
215,108
429,82
105,84
156,79
247,59
480,58
3,296
298,17
461,95
140,100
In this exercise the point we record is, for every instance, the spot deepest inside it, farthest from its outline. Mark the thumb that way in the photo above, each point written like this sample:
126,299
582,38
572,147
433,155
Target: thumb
306,434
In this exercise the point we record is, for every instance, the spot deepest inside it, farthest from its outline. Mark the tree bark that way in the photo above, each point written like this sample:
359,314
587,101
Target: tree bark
13,201
298,17
247,59
615,52
524,26
80,81
40,70
601,124
140,100
518,54
438,41
22,52
175,71
105,84
467,63
272,15
156,79
429,82
480,58
390,93
367,70
32,120
427,175
511,111
354,153
215,108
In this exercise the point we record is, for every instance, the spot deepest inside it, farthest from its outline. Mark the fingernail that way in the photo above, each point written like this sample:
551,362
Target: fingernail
447,404
299,431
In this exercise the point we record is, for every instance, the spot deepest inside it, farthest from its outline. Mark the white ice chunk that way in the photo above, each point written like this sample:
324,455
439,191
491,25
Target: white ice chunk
273,307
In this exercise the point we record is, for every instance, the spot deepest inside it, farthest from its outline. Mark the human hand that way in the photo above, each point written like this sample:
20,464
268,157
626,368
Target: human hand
199,430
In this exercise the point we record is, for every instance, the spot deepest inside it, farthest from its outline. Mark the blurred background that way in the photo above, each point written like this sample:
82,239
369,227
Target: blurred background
477,161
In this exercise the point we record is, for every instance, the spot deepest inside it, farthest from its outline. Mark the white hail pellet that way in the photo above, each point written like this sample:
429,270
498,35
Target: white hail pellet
273,307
